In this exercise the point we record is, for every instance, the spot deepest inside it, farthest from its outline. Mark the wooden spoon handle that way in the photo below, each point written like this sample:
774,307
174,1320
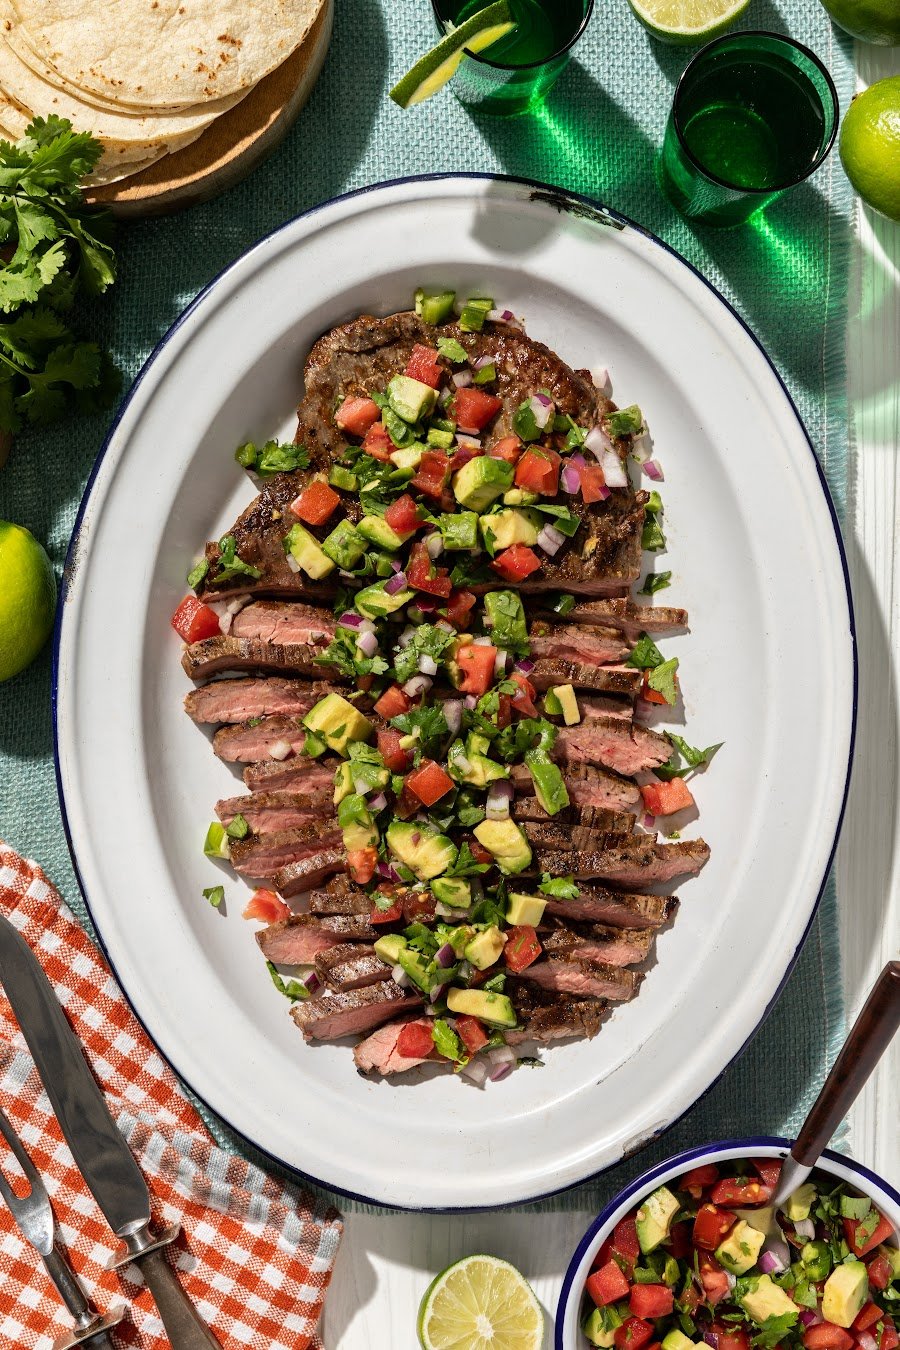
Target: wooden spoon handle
868,1039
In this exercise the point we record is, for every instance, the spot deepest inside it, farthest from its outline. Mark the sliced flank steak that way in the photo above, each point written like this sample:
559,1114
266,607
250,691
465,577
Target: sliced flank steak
340,896
350,966
212,655
248,742
605,705
616,744
621,613
378,1053
583,644
549,672
332,1016
284,621
310,872
587,785
614,946
238,700
590,817
546,1015
298,940
561,835
291,775
571,973
265,855
265,812
597,905
630,862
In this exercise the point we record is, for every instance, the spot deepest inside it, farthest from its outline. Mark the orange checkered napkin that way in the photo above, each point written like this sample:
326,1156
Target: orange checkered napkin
255,1255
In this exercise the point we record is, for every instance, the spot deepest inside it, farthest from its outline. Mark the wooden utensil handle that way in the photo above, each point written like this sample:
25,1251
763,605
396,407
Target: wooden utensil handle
868,1039
184,1327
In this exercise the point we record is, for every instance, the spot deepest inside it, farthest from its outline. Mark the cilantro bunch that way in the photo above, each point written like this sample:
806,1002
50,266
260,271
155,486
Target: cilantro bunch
51,246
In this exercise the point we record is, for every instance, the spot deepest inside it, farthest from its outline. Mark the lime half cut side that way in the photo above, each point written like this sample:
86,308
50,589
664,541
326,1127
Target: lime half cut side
436,67
686,21
480,1303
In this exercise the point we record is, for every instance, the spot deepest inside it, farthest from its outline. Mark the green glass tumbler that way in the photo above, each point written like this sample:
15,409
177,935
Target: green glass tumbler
516,73
754,114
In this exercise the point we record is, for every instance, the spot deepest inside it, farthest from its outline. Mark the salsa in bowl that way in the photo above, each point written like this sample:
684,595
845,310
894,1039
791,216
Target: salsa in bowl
694,1254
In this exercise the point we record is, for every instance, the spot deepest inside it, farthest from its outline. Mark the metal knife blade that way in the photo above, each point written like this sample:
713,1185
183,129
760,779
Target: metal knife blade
100,1152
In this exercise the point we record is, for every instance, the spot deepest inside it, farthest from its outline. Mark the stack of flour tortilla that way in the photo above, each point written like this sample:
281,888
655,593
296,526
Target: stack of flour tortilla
145,77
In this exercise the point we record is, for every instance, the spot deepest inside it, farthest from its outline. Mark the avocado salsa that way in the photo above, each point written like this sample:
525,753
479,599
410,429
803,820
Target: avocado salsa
707,1260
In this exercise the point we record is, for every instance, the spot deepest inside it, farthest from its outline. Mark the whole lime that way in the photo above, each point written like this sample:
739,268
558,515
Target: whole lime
27,598
870,146
871,20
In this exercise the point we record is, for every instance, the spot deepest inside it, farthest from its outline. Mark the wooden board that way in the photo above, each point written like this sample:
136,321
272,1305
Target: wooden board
233,145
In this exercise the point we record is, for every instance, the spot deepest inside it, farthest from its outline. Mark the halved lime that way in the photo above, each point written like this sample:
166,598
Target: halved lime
685,21
481,1303
436,67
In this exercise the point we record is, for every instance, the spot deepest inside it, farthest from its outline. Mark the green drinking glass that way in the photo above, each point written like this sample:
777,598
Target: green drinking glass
516,73
754,114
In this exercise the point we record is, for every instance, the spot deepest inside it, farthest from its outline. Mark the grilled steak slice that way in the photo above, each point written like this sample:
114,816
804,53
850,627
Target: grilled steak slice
291,775
254,740
614,743
549,672
571,973
265,812
553,834
596,904
622,613
378,1052
548,1016
263,855
587,785
238,700
308,872
298,940
630,862
351,900
591,817
614,946
583,644
605,705
351,966
332,1016
284,622
202,659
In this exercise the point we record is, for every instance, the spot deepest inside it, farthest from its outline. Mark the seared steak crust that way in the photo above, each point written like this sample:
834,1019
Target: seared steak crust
549,672
212,655
596,904
239,700
331,1016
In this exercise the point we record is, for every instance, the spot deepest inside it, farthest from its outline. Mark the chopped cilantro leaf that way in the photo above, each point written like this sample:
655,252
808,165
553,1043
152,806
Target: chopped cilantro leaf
427,723
273,457
652,538
655,581
291,989
196,574
525,424
215,895
562,888
446,1041
693,757
230,565
773,1330
563,519
238,829
645,654
464,864
662,680
428,640
454,351
496,984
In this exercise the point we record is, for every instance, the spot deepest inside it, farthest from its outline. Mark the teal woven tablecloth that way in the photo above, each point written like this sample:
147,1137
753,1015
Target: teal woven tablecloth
599,134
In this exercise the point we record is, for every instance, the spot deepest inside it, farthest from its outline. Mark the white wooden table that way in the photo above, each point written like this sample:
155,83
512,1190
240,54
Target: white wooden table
386,1262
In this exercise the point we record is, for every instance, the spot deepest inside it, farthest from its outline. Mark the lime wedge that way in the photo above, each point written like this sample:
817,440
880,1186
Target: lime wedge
481,1303
436,67
686,21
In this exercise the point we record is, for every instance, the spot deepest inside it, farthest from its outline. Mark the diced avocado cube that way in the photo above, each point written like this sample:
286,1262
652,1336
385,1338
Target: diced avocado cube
816,1258
389,947
344,545
506,842
474,312
846,1290
654,1218
495,1009
337,722
486,948
475,769
357,823
374,601
551,704
525,909
453,891
407,460
306,551
676,1340
411,399
342,478
568,704
739,1250
459,531
416,967
420,848
442,440
437,308
313,745
600,1326
510,526
343,782
215,845
481,482
800,1202
549,784
519,497
460,937
476,744
766,1299
378,531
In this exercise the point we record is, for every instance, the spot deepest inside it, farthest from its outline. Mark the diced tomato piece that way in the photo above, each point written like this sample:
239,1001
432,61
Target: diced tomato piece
392,915
471,1032
458,607
661,799
651,1300
415,1041
378,443
737,1192
679,1240
769,1169
508,448
423,365
522,947
607,1285
713,1278
476,664
593,484
433,473
267,906
516,563
650,695
393,703
357,415
479,852
395,758
698,1179
710,1226
315,503
361,864
406,804
632,1334
867,1316
730,1338
429,782
523,701
624,1243
403,515
475,408
880,1272
422,574
603,1255
889,1338
418,907
826,1336
538,470
860,1246
193,621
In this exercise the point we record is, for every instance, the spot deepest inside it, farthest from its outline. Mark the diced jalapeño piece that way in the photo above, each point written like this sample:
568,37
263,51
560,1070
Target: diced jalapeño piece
435,308
475,311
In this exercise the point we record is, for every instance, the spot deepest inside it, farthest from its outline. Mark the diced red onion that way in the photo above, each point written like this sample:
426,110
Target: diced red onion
400,977
361,786
476,1071
418,684
502,1054
427,664
501,660
220,609
712,1338
500,1072
445,956
482,641
525,667
443,911
434,545
415,839
406,636
467,438
570,477
597,442
809,1317
641,448
367,643
349,620
367,626
602,492
281,750
498,799
613,470
462,378
600,378
292,562
395,583
649,822
550,539
466,449
237,604
378,803
462,763
732,1280
652,470
776,1247
396,565
771,1264
470,701
866,1341
482,361
387,872
452,710
425,603
805,1228
311,981
542,408
500,315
